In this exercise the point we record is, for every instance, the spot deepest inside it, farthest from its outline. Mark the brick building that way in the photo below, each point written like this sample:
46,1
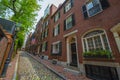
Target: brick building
7,42
84,34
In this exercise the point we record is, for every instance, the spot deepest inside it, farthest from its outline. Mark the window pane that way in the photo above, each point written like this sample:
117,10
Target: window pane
94,10
67,7
69,22
85,45
94,33
55,48
105,42
90,44
56,30
89,5
98,44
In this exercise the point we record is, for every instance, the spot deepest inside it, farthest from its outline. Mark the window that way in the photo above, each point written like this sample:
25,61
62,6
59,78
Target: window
56,48
68,6
69,22
95,40
57,16
94,7
46,32
44,46
56,30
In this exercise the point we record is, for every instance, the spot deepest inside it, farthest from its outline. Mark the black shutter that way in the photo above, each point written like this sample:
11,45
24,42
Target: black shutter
58,28
53,32
51,49
64,10
73,20
64,25
60,48
41,48
105,4
54,18
85,11
47,31
59,14
71,3
46,44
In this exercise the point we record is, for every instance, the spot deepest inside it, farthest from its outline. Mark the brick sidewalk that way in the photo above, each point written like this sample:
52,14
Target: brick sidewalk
11,69
60,70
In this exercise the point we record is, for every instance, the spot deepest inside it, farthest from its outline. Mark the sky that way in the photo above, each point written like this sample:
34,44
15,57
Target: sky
45,3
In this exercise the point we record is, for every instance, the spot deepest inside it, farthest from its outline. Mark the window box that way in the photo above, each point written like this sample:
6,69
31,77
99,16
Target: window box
97,54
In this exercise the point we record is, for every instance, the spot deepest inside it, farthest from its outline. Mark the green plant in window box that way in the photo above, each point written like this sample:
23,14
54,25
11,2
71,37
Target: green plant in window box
97,54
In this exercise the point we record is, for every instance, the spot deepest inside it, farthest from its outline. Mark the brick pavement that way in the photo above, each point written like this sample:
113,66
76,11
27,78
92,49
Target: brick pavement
60,70
11,69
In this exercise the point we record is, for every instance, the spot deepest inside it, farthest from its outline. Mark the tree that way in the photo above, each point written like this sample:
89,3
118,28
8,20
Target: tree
20,11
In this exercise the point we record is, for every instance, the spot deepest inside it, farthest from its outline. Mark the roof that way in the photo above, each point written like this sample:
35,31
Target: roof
1,31
9,26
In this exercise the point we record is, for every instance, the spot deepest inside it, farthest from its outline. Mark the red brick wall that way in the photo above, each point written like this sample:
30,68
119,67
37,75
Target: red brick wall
104,20
3,47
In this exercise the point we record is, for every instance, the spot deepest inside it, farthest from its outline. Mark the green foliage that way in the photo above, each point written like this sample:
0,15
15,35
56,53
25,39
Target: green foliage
20,11
98,53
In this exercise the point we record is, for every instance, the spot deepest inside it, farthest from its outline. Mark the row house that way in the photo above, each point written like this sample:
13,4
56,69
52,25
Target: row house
83,34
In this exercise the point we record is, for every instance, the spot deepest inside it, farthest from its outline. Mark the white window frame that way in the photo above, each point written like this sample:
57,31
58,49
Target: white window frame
68,6
44,46
56,17
56,30
90,5
101,38
46,32
55,51
68,21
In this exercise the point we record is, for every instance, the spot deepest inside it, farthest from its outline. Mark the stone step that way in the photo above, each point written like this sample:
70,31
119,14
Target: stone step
77,72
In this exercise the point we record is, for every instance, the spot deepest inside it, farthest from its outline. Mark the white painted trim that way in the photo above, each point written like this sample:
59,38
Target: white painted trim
68,55
102,42
68,34
94,36
117,39
55,42
77,51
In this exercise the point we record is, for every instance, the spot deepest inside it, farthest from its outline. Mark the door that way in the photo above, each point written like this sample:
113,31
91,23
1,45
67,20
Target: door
73,55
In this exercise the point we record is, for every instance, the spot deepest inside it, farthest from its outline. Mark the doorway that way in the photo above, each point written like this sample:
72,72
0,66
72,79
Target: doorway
73,55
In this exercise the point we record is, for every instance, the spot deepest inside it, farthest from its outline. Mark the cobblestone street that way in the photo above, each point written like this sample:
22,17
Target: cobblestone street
30,69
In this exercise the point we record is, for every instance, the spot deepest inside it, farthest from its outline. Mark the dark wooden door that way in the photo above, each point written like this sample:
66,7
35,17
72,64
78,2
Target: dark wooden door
73,55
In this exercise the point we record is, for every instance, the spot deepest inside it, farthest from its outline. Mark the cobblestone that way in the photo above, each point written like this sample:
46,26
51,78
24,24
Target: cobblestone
30,69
